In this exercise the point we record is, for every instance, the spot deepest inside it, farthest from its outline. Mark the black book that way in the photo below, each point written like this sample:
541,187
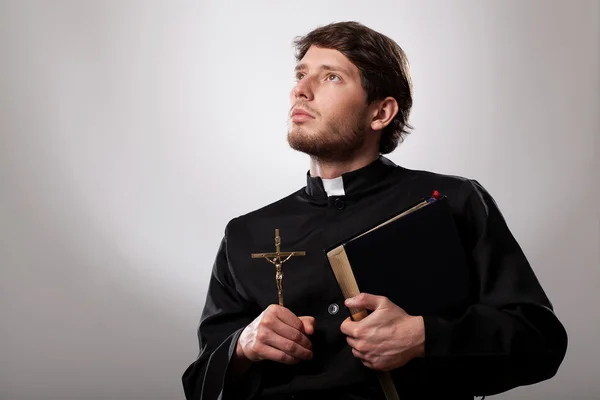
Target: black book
416,259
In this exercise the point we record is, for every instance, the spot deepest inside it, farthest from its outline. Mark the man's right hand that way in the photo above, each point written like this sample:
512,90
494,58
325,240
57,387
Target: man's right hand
277,335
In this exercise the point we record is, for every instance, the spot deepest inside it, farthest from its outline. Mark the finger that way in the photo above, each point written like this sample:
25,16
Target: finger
366,300
288,317
349,327
358,354
291,334
273,354
288,347
363,357
367,364
308,324
358,345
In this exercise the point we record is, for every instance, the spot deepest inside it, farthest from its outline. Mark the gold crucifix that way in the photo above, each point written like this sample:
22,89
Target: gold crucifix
275,259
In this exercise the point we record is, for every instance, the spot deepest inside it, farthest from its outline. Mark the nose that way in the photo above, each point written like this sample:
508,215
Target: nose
303,89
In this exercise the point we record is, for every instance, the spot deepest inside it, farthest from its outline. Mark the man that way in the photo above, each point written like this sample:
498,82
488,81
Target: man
349,106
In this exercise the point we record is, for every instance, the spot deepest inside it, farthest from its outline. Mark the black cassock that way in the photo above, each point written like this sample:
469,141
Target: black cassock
507,336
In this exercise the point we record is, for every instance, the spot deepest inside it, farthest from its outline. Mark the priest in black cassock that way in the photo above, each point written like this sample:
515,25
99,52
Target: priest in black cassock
350,106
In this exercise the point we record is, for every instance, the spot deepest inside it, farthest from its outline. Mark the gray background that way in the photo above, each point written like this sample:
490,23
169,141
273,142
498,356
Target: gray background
131,132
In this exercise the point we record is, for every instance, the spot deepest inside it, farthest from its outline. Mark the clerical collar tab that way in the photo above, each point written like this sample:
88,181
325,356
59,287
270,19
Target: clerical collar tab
334,186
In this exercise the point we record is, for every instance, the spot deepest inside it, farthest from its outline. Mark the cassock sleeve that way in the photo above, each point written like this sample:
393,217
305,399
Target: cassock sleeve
511,336
226,313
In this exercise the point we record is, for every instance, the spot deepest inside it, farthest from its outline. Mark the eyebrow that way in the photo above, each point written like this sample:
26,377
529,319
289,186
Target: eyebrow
323,67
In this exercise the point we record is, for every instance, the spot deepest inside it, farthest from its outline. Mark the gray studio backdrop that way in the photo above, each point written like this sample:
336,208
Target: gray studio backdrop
131,132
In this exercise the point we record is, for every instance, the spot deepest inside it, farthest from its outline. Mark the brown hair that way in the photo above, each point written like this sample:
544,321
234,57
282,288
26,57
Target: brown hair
383,66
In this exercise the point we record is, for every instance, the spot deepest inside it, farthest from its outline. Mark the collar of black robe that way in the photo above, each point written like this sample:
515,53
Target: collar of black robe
356,182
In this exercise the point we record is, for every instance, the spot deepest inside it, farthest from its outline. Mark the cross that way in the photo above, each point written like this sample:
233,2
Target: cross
275,259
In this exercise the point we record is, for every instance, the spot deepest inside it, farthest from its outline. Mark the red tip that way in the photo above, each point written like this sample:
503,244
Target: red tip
436,195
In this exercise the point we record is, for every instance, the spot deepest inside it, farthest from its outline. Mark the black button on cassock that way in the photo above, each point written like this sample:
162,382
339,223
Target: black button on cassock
339,204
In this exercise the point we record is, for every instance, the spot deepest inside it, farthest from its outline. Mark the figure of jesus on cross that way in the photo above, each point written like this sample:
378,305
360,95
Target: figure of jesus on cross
276,260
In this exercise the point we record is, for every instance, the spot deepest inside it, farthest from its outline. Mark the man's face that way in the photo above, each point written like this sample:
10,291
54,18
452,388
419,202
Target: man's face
328,108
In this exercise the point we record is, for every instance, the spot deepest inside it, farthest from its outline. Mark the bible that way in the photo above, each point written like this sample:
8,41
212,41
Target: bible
415,258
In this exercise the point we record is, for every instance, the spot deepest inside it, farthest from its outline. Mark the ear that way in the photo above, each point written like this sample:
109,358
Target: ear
384,113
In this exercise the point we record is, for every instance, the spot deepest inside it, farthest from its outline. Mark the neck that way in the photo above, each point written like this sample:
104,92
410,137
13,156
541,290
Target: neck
332,169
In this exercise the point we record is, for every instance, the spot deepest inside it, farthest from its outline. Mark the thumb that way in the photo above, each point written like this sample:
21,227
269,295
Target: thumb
365,300
308,323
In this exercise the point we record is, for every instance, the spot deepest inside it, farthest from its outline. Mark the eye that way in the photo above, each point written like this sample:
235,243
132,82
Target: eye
299,75
333,78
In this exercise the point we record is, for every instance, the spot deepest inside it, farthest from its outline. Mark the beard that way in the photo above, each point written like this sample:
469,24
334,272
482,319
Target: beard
336,141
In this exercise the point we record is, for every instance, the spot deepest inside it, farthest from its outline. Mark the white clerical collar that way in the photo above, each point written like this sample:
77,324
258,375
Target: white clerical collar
334,186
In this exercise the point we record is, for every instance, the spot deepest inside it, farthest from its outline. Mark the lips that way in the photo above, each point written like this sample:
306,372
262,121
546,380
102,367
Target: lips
300,112
299,116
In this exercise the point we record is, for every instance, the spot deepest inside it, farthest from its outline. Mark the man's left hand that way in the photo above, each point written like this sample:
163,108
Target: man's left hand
386,339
